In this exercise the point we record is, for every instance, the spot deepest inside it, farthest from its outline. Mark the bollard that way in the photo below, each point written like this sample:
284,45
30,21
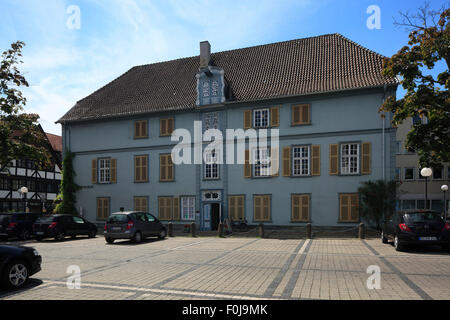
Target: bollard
193,231
308,231
261,230
362,231
220,230
170,229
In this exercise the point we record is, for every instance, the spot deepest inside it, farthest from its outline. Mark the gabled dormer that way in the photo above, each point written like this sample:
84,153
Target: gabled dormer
210,79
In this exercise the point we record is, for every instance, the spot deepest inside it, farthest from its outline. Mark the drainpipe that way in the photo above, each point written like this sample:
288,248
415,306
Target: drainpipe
383,136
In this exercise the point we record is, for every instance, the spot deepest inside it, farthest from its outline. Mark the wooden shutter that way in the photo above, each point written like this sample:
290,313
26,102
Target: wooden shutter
162,167
113,170
274,162
275,117
366,155
354,207
300,207
315,161
163,127
257,208
344,207
334,159
170,126
176,208
137,129
161,205
137,168
240,210
286,161
232,207
295,115
305,114
295,207
99,208
94,171
266,208
170,168
301,114
144,126
304,207
247,165
247,119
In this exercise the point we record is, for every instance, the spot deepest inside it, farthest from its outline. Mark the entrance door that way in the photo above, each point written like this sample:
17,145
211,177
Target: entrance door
215,216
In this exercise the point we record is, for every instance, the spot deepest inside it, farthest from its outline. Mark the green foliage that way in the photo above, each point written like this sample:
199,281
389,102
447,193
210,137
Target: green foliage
66,199
426,95
20,136
377,200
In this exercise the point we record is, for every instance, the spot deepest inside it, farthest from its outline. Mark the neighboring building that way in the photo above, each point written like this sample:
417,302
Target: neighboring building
43,185
412,187
323,94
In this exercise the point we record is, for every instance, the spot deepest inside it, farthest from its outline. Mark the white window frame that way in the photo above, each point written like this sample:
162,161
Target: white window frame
298,161
104,170
187,208
261,166
211,166
348,157
259,118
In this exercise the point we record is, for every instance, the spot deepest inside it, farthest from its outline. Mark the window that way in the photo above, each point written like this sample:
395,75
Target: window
104,173
261,168
350,158
165,207
78,220
141,204
141,168
211,165
300,207
301,114
438,174
261,118
301,161
102,208
398,147
349,207
166,167
140,129
211,121
188,208
419,120
236,208
4,183
409,173
261,208
409,204
166,126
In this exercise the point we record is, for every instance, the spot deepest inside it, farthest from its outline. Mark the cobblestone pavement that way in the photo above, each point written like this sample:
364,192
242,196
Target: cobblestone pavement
236,268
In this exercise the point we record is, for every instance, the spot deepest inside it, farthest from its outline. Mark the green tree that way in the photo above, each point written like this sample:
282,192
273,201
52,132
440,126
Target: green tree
66,198
20,136
377,200
427,52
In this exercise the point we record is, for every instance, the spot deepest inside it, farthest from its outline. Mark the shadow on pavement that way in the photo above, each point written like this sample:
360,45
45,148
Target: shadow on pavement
32,283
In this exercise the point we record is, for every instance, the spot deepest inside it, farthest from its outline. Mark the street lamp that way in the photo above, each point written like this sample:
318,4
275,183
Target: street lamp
23,191
426,172
444,188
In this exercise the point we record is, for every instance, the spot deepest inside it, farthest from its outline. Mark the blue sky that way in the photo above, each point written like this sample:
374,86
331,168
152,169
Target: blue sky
64,65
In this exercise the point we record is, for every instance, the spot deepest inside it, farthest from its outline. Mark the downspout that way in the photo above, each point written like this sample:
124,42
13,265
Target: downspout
383,142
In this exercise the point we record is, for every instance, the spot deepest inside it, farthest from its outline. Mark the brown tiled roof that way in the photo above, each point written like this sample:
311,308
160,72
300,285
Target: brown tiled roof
55,141
325,63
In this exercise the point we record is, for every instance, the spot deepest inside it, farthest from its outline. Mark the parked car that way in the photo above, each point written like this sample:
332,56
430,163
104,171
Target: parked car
59,226
133,225
416,227
18,224
17,264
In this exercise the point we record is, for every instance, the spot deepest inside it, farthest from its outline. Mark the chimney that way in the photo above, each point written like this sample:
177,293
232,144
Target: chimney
205,54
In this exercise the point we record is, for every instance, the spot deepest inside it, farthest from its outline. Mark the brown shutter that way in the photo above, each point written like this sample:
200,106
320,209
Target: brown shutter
231,207
99,208
295,207
257,204
354,207
247,119
344,207
137,166
305,114
295,114
247,165
94,171
305,207
144,126
176,208
162,167
161,203
266,208
162,127
113,170
334,159
137,131
315,161
275,116
170,126
274,162
170,168
286,161
366,155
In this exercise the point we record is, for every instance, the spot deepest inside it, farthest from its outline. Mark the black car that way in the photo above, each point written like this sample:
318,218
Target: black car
416,227
18,224
59,226
133,225
17,264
